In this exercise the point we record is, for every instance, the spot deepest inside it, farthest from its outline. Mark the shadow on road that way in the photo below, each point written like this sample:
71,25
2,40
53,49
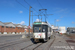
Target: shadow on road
32,40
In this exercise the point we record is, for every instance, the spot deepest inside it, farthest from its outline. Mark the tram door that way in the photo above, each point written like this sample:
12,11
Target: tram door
45,29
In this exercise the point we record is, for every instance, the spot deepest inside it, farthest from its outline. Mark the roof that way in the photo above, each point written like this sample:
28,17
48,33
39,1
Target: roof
45,23
7,23
24,26
1,24
70,27
18,25
10,24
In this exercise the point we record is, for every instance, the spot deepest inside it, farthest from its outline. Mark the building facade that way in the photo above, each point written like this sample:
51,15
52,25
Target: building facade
55,29
62,29
10,28
71,29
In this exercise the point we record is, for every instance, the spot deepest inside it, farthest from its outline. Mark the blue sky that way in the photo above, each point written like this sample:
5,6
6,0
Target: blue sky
63,11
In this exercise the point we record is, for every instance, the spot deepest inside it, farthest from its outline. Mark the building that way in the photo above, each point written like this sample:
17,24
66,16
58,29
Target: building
62,29
31,30
71,29
1,27
55,29
10,28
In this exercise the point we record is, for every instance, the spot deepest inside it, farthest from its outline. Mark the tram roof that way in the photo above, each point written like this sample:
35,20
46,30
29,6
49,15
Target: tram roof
44,23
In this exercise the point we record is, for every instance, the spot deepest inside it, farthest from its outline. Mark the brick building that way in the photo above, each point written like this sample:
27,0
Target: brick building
1,27
10,28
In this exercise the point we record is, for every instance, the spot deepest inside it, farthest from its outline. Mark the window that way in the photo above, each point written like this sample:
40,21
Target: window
37,28
48,29
2,26
44,28
40,28
13,27
6,26
10,27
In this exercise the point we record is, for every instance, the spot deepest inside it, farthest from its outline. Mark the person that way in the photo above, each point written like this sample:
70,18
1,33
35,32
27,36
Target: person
39,29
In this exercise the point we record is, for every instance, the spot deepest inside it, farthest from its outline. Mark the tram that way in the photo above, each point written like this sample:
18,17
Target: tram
42,31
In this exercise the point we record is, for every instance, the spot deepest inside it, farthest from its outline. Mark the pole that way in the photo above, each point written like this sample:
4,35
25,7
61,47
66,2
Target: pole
45,15
41,18
55,22
32,17
29,19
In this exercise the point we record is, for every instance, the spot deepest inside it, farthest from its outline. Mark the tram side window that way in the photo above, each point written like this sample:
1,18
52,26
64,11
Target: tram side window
48,29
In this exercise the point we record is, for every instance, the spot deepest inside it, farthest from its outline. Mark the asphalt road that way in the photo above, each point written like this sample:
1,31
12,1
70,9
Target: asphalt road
10,38
56,42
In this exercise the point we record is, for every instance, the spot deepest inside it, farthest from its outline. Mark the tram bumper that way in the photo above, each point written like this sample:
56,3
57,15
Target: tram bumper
36,40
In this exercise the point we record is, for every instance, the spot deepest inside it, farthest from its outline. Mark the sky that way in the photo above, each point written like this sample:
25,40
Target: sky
17,11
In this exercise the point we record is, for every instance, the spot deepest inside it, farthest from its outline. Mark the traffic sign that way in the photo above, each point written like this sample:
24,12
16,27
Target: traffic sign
29,26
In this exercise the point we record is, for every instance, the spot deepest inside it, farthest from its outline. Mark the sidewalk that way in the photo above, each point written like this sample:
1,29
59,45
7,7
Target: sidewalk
10,34
60,44
70,41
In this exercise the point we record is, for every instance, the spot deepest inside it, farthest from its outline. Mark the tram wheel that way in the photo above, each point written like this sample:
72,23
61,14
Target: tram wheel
49,38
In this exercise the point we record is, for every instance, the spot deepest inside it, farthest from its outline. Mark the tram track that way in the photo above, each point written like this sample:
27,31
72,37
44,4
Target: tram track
27,47
51,44
31,46
12,43
37,46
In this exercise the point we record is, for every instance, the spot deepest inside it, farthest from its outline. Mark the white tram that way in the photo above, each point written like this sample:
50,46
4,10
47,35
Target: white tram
42,31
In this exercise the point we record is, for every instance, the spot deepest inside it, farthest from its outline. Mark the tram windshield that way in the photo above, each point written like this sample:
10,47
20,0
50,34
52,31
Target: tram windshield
39,28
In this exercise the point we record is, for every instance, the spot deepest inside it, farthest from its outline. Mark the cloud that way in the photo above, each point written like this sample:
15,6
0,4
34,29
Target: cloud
20,11
60,10
57,20
13,23
22,23
73,22
37,20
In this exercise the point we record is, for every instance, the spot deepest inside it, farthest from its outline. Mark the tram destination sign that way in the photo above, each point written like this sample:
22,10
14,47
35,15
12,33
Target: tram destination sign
37,23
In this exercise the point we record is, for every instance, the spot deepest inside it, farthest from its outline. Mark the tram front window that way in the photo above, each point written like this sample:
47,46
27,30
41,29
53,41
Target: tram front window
44,28
37,28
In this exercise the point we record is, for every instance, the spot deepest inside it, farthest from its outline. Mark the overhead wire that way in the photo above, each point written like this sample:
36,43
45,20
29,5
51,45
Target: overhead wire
40,4
22,5
42,8
30,5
